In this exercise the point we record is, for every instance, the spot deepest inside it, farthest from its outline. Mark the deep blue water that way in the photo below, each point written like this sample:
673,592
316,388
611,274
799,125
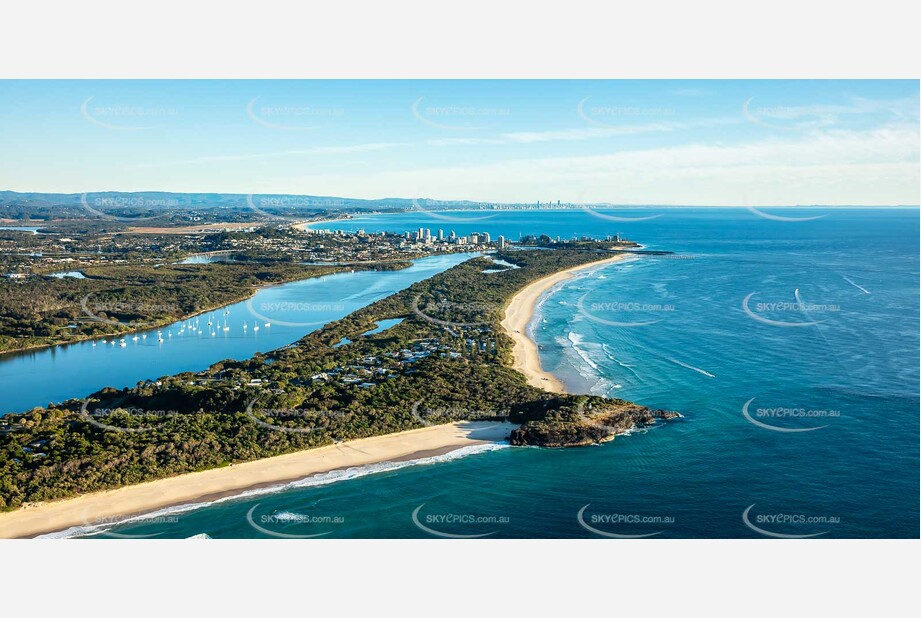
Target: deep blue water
38,377
827,343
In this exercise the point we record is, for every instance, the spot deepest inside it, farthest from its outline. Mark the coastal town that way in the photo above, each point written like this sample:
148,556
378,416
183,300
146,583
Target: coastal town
28,251
135,280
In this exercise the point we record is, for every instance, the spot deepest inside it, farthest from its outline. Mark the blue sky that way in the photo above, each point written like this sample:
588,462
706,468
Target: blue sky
631,142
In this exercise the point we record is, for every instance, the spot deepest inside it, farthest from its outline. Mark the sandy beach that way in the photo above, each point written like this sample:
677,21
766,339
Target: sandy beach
118,504
518,314
307,225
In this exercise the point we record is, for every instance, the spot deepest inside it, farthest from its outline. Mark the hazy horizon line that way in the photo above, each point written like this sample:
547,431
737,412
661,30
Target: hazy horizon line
549,204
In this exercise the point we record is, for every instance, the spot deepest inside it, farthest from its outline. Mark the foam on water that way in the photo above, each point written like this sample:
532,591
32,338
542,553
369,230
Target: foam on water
584,350
315,480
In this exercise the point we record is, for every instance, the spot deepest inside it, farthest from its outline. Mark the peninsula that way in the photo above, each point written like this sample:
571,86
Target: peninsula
448,358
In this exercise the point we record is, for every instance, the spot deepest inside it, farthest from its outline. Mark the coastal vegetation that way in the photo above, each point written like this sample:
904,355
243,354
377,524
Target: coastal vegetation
447,359
120,298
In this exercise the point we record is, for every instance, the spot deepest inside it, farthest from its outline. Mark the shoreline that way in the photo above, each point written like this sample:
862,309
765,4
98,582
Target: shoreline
116,505
147,327
305,226
518,314
169,321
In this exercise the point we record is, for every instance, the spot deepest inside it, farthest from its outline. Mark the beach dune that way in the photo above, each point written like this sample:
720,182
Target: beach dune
518,314
119,504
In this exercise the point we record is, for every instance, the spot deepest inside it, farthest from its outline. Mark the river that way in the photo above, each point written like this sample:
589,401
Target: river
283,314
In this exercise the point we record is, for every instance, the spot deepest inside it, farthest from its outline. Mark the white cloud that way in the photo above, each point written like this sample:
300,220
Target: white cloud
824,115
839,167
579,133
316,150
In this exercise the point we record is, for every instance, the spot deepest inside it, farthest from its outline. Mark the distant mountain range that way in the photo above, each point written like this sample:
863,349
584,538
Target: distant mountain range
275,202
159,200
166,200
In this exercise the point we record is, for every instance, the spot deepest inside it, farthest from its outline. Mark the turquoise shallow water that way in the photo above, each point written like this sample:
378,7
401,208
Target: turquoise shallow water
825,352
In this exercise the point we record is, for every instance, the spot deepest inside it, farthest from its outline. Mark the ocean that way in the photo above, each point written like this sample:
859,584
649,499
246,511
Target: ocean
790,348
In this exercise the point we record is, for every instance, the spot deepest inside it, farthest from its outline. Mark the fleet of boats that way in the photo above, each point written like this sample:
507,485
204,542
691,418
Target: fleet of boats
191,326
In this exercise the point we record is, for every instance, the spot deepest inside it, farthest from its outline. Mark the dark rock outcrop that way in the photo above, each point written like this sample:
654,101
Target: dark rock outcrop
586,426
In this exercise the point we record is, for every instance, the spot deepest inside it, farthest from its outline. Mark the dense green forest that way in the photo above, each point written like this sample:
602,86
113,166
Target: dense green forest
446,360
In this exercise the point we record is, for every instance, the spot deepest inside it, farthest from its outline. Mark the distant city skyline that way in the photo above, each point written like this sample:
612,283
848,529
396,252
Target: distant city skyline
712,142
